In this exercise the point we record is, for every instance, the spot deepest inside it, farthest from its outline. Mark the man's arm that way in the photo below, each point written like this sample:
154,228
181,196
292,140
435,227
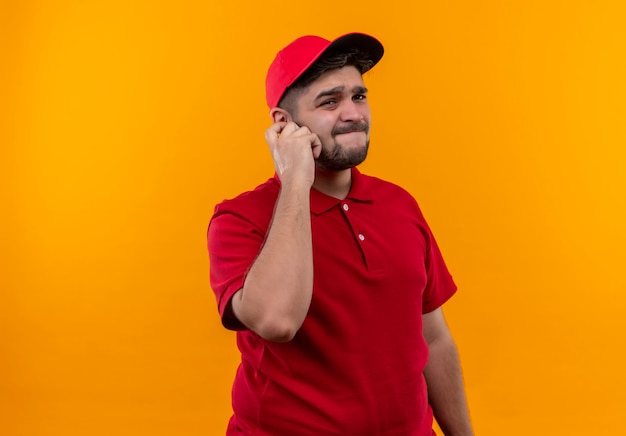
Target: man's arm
277,292
446,393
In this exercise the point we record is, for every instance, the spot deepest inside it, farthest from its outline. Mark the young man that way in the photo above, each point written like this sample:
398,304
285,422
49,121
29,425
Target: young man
332,279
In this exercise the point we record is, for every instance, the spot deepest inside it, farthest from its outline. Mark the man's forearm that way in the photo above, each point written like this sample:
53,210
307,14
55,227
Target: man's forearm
277,292
446,392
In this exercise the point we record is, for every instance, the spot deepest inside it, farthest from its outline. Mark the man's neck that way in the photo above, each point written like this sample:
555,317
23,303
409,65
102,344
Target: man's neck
333,183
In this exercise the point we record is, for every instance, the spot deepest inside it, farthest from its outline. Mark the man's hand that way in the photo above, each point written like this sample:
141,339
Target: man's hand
294,150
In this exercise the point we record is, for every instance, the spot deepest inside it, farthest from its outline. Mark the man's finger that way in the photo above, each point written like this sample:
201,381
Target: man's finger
289,128
316,145
271,134
302,131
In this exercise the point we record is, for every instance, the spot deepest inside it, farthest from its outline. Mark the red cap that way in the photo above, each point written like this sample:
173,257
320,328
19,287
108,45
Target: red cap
298,56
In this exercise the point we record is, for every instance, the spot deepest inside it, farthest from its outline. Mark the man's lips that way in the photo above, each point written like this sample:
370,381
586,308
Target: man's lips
351,131
351,128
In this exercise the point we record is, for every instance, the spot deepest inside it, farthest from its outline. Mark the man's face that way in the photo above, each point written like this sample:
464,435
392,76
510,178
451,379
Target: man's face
335,108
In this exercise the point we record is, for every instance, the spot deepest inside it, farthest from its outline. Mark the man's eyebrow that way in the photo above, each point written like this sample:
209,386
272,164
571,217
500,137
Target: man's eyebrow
333,91
339,89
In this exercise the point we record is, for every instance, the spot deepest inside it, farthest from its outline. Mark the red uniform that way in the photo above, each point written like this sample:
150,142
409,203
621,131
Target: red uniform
355,366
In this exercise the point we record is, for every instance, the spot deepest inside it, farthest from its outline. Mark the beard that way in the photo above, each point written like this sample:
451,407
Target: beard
339,158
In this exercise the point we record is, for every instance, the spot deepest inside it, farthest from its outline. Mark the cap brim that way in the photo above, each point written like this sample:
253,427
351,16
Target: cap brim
361,41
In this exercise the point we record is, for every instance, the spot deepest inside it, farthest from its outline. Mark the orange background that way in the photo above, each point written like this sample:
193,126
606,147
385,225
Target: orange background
123,123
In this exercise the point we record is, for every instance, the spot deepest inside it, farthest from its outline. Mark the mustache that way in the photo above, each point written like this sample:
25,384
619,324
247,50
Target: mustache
361,126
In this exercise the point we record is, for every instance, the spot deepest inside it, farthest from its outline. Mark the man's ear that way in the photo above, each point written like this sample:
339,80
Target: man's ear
280,115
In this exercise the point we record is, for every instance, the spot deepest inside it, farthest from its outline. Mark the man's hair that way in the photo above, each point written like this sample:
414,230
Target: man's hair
332,60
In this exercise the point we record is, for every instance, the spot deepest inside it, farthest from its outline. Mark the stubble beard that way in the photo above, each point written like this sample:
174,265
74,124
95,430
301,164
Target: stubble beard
339,158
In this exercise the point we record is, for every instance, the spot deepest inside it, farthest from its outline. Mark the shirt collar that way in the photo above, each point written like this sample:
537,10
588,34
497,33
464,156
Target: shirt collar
359,192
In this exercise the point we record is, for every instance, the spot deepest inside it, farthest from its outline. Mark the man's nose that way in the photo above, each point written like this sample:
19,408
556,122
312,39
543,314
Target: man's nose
350,111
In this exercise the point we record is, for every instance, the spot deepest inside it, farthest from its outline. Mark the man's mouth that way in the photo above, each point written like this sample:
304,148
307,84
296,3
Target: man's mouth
351,128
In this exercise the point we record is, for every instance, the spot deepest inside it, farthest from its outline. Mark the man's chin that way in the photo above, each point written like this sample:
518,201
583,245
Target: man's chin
352,141
349,159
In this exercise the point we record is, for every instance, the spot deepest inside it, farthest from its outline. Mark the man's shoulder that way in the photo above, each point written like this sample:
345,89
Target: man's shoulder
258,200
384,188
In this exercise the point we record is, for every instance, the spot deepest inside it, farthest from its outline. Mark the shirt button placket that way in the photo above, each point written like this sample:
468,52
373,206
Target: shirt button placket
346,208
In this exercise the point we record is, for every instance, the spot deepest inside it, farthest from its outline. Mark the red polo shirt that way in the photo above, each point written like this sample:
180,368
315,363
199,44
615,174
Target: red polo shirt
355,366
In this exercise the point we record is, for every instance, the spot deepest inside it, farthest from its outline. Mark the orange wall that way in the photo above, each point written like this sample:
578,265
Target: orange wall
123,123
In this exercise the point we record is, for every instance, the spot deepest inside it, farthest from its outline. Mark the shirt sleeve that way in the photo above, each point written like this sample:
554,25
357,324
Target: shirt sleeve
234,242
440,286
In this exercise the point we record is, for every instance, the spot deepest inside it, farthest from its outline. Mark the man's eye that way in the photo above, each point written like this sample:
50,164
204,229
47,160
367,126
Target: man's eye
359,97
328,102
